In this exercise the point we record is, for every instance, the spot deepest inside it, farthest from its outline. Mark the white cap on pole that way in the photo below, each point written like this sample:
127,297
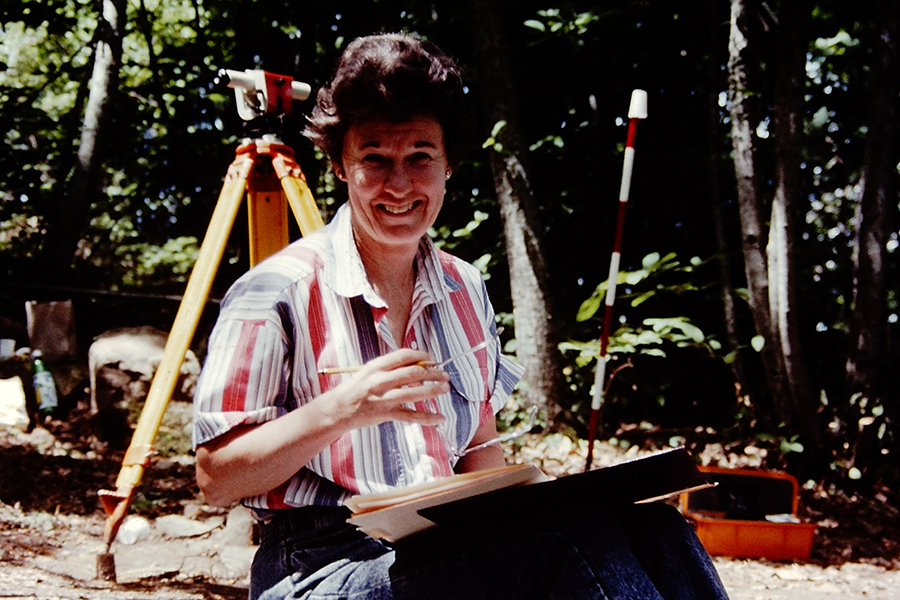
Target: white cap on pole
638,107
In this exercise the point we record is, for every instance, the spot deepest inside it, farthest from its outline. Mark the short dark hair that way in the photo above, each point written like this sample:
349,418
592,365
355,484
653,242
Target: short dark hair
392,76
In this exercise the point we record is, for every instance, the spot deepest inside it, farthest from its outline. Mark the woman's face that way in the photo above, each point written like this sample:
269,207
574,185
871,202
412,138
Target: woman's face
395,173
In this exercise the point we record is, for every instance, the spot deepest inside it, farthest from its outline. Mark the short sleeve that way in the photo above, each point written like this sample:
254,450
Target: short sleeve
509,373
244,379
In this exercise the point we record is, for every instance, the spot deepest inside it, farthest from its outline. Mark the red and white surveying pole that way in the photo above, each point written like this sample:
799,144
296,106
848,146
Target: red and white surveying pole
636,110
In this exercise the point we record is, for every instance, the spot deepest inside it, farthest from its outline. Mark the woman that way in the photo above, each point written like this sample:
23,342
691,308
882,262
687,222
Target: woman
276,430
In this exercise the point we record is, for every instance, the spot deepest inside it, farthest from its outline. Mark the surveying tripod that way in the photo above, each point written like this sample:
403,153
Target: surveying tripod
265,169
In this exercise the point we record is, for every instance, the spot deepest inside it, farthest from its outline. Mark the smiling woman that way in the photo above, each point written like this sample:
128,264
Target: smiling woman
289,422
397,171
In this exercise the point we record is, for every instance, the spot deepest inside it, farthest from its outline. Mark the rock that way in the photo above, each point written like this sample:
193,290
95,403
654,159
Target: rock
234,563
192,509
133,529
238,528
122,363
13,412
41,440
177,526
51,329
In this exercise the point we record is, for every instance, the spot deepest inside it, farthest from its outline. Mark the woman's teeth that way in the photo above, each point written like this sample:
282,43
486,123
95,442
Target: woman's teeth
398,210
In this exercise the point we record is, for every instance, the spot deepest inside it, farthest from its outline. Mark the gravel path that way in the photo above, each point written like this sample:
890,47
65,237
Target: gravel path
754,580
51,557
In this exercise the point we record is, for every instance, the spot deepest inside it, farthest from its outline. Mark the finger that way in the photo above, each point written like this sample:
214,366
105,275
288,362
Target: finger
397,359
419,374
381,383
419,417
414,393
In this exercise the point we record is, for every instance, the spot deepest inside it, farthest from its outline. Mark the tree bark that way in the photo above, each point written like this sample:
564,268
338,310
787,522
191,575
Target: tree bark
798,402
67,225
752,234
726,279
535,327
879,190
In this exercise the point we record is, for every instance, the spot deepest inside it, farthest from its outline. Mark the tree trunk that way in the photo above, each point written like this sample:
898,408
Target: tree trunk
752,235
67,225
798,402
536,337
879,190
715,198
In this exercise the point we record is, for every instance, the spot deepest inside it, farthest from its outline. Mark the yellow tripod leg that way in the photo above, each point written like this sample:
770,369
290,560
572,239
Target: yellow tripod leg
267,220
299,196
267,211
195,296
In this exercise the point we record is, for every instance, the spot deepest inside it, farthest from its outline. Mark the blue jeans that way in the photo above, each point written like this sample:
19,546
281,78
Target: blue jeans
643,552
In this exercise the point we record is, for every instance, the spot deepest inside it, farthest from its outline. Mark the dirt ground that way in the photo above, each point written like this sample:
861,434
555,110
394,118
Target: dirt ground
51,523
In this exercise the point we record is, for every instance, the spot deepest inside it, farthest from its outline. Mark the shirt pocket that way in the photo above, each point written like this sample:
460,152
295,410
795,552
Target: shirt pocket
468,392
469,377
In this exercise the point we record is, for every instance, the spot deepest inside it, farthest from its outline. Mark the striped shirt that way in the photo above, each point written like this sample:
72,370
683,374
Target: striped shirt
311,307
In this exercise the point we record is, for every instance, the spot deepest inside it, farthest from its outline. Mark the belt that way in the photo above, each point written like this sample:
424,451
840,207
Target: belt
304,521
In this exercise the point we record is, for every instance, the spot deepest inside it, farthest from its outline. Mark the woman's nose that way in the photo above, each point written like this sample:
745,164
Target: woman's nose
398,180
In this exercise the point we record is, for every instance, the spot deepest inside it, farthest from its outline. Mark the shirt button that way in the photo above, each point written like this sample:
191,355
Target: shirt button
414,345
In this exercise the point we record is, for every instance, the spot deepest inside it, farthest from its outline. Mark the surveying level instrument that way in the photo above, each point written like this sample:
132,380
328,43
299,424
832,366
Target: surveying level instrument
259,93
264,168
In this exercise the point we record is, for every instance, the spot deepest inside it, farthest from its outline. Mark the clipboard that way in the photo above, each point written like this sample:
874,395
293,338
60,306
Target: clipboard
511,492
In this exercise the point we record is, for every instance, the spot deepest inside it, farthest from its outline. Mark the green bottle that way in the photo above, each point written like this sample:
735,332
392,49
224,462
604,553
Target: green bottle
44,386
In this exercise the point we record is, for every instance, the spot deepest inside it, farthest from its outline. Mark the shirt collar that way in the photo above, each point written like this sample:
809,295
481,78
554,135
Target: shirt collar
345,274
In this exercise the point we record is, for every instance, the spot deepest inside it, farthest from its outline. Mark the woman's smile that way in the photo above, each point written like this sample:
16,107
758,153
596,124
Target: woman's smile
399,210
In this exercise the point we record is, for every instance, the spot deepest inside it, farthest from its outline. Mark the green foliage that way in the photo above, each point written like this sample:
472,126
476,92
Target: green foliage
562,21
169,263
448,239
650,337
652,267
162,109
492,142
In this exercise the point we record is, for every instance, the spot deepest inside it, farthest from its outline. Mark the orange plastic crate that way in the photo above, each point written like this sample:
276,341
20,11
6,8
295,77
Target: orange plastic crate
762,492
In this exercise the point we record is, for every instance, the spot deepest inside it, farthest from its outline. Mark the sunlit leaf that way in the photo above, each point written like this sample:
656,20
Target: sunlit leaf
635,277
650,260
758,343
589,308
643,298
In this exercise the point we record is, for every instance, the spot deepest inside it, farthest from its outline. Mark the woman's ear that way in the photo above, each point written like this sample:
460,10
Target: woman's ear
338,172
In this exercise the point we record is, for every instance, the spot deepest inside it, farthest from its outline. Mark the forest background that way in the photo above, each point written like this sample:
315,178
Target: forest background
758,287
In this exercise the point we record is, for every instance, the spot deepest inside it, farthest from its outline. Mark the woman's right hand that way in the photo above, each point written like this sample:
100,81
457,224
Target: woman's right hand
385,389
253,459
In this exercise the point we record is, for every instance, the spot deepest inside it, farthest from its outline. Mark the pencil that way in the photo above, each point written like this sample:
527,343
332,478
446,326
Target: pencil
424,363
355,368
338,370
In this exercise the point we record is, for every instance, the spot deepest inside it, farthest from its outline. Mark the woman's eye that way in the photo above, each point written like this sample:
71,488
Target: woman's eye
374,159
